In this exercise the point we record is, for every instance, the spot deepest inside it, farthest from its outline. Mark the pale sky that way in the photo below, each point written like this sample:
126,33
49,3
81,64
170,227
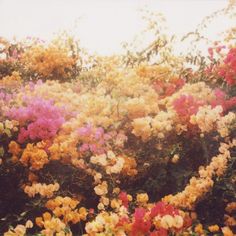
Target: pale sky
103,24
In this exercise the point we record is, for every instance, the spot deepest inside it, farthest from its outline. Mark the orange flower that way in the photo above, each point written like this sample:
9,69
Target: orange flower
142,198
14,148
39,221
47,216
199,229
34,156
227,231
213,228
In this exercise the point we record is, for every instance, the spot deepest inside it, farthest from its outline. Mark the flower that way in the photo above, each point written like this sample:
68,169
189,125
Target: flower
140,225
142,198
213,228
66,208
124,198
199,229
34,157
142,128
186,105
175,158
101,189
14,148
43,189
43,117
228,69
227,231
198,187
50,62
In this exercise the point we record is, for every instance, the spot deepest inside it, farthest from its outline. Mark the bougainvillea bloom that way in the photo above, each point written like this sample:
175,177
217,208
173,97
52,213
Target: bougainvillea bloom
228,69
162,209
186,105
222,100
140,225
39,119
124,198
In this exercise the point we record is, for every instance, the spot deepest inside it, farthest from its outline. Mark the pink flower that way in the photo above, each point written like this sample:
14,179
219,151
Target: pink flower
39,119
222,101
228,71
140,225
123,197
187,105
84,147
162,209
85,131
99,133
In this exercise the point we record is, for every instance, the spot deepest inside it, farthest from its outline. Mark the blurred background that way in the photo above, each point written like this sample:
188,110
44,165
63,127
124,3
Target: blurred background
102,26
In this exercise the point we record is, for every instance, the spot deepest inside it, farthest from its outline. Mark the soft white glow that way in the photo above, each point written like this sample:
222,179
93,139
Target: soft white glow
101,25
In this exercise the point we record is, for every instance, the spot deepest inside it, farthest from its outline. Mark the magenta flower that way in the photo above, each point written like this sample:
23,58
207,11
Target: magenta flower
39,119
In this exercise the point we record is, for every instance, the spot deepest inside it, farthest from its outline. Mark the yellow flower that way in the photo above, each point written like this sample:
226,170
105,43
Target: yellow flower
199,229
105,201
35,156
227,231
47,216
14,148
142,128
83,213
101,206
175,158
115,203
116,190
142,198
130,198
39,221
101,189
178,221
167,221
29,224
213,228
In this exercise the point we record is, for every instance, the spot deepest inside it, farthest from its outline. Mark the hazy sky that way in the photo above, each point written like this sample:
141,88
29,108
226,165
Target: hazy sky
103,25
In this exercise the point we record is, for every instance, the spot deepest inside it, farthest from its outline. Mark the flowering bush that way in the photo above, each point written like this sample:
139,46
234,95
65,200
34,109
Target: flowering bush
143,150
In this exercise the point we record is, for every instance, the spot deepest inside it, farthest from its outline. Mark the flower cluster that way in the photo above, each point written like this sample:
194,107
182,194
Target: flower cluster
208,119
166,89
52,225
8,127
15,149
186,105
93,139
158,126
66,208
220,99
42,118
49,62
19,230
198,187
113,164
158,219
11,82
229,217
34,156
228,69
43,190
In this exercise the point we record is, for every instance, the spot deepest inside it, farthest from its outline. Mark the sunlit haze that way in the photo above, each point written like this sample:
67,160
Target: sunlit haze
101,25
